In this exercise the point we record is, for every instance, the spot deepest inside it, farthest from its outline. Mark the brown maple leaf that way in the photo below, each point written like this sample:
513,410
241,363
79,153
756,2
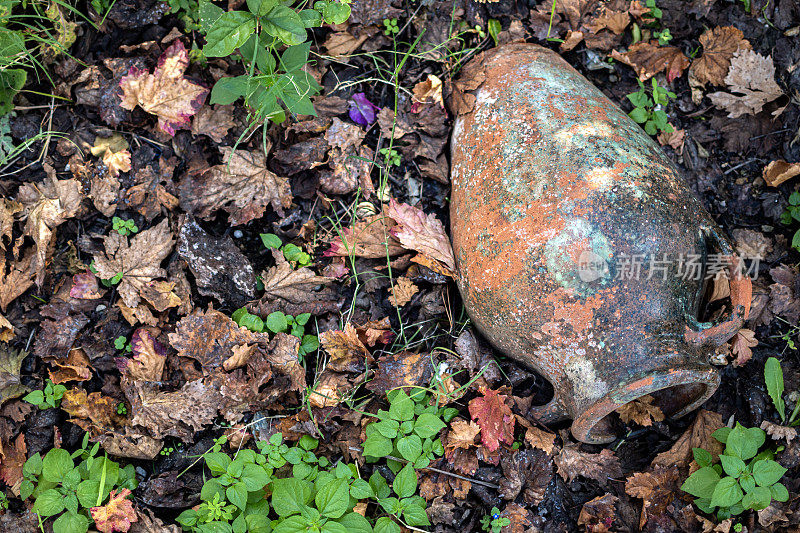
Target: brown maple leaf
242,185
657,488
347,352
136,262
598,514
719,45
751,82
116,515
741,344
15,279
461,436
149,357
47,205
213,122
572,462
402,291
93,412
151,195
697,436
422,233
641,411
296,286
493,415
368,237
648,59
165,93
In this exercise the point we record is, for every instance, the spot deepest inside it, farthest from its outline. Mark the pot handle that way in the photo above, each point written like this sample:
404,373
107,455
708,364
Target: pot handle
721,330
552,411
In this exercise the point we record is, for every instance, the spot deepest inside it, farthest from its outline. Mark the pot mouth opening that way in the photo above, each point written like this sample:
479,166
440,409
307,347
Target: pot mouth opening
675,392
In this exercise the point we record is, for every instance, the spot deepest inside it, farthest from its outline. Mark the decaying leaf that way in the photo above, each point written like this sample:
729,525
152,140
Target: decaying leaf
47,205
493,415
402,291
75,367
460,99
598,514
462,435
751,82
572,462
401,370
116,515
11,460
429,91
539,438
346,350
778,432
178,414
421,232
657,488
648,59
329,389
165,93
149,357
137,261
641,411
776,172
741,344
114,152
784,294
85,287
293,285
213,122
719,45
15,279
242,185
93,412
10,364
697,436
368,237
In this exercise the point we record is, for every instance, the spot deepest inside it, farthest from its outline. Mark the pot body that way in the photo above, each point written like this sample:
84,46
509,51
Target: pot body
557,197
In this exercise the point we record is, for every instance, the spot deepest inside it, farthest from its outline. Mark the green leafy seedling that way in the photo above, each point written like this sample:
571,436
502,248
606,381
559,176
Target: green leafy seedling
494,522
792,213
124,227
648,108
47,398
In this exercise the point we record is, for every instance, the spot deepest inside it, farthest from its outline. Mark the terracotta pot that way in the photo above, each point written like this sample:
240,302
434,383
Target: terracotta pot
555,192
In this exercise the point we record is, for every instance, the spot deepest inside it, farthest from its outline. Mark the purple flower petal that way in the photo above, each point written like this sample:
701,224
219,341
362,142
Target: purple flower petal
362,111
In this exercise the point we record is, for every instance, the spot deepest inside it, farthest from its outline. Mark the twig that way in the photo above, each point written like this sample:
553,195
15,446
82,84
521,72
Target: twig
432,469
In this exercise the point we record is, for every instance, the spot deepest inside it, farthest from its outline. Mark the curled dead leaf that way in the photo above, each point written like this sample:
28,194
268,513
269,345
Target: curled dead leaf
641,411
778,432
776,172
648,59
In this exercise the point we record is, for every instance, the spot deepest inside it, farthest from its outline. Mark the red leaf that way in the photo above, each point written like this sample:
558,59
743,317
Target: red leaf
116,515
494,417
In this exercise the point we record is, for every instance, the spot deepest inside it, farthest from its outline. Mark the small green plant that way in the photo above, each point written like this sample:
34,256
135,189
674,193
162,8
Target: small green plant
746,5
122,409
279,322
106,282
494,28
66,492
291,252
664,36
773,378
390,27
408,430
272,82
654,10
121,343
312,495
166,451
3,501
391,156
743,479
124,227
102,6
189,13
6,141
648,108
494,522
792,212
49,397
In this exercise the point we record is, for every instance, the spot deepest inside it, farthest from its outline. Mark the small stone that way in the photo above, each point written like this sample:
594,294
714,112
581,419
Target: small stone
238,234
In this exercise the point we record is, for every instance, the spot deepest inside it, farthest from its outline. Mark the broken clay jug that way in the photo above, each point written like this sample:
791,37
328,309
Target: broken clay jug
581,252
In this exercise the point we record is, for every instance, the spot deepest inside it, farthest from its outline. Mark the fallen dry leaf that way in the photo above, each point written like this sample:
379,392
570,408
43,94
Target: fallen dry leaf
75,367
178,414
15,279
376,331
601,467
674,139
10,364
149,357
598,514
429,91
85,287
641,411
741,344
329,389
369,237
751,82
213,122
422,233
493,415
159,294
346,351
771,515
784,297
12,459
342,43
117,162
242,185
151,195
401,370
462,436
116,515
697,436
343,135
614,21
657,488
539,438
648,59
778,432
719,45
460,99
94,412
131,444
776,172
166,93
137,261
47,205
402,291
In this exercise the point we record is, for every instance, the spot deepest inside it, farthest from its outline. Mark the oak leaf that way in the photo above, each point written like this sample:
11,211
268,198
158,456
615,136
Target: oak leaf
47,205
572,462
493,415
165,93
422,233
641,411
242,185
614,21
137,261
776,172
402,291
719,45
648,59
116,515
751,82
